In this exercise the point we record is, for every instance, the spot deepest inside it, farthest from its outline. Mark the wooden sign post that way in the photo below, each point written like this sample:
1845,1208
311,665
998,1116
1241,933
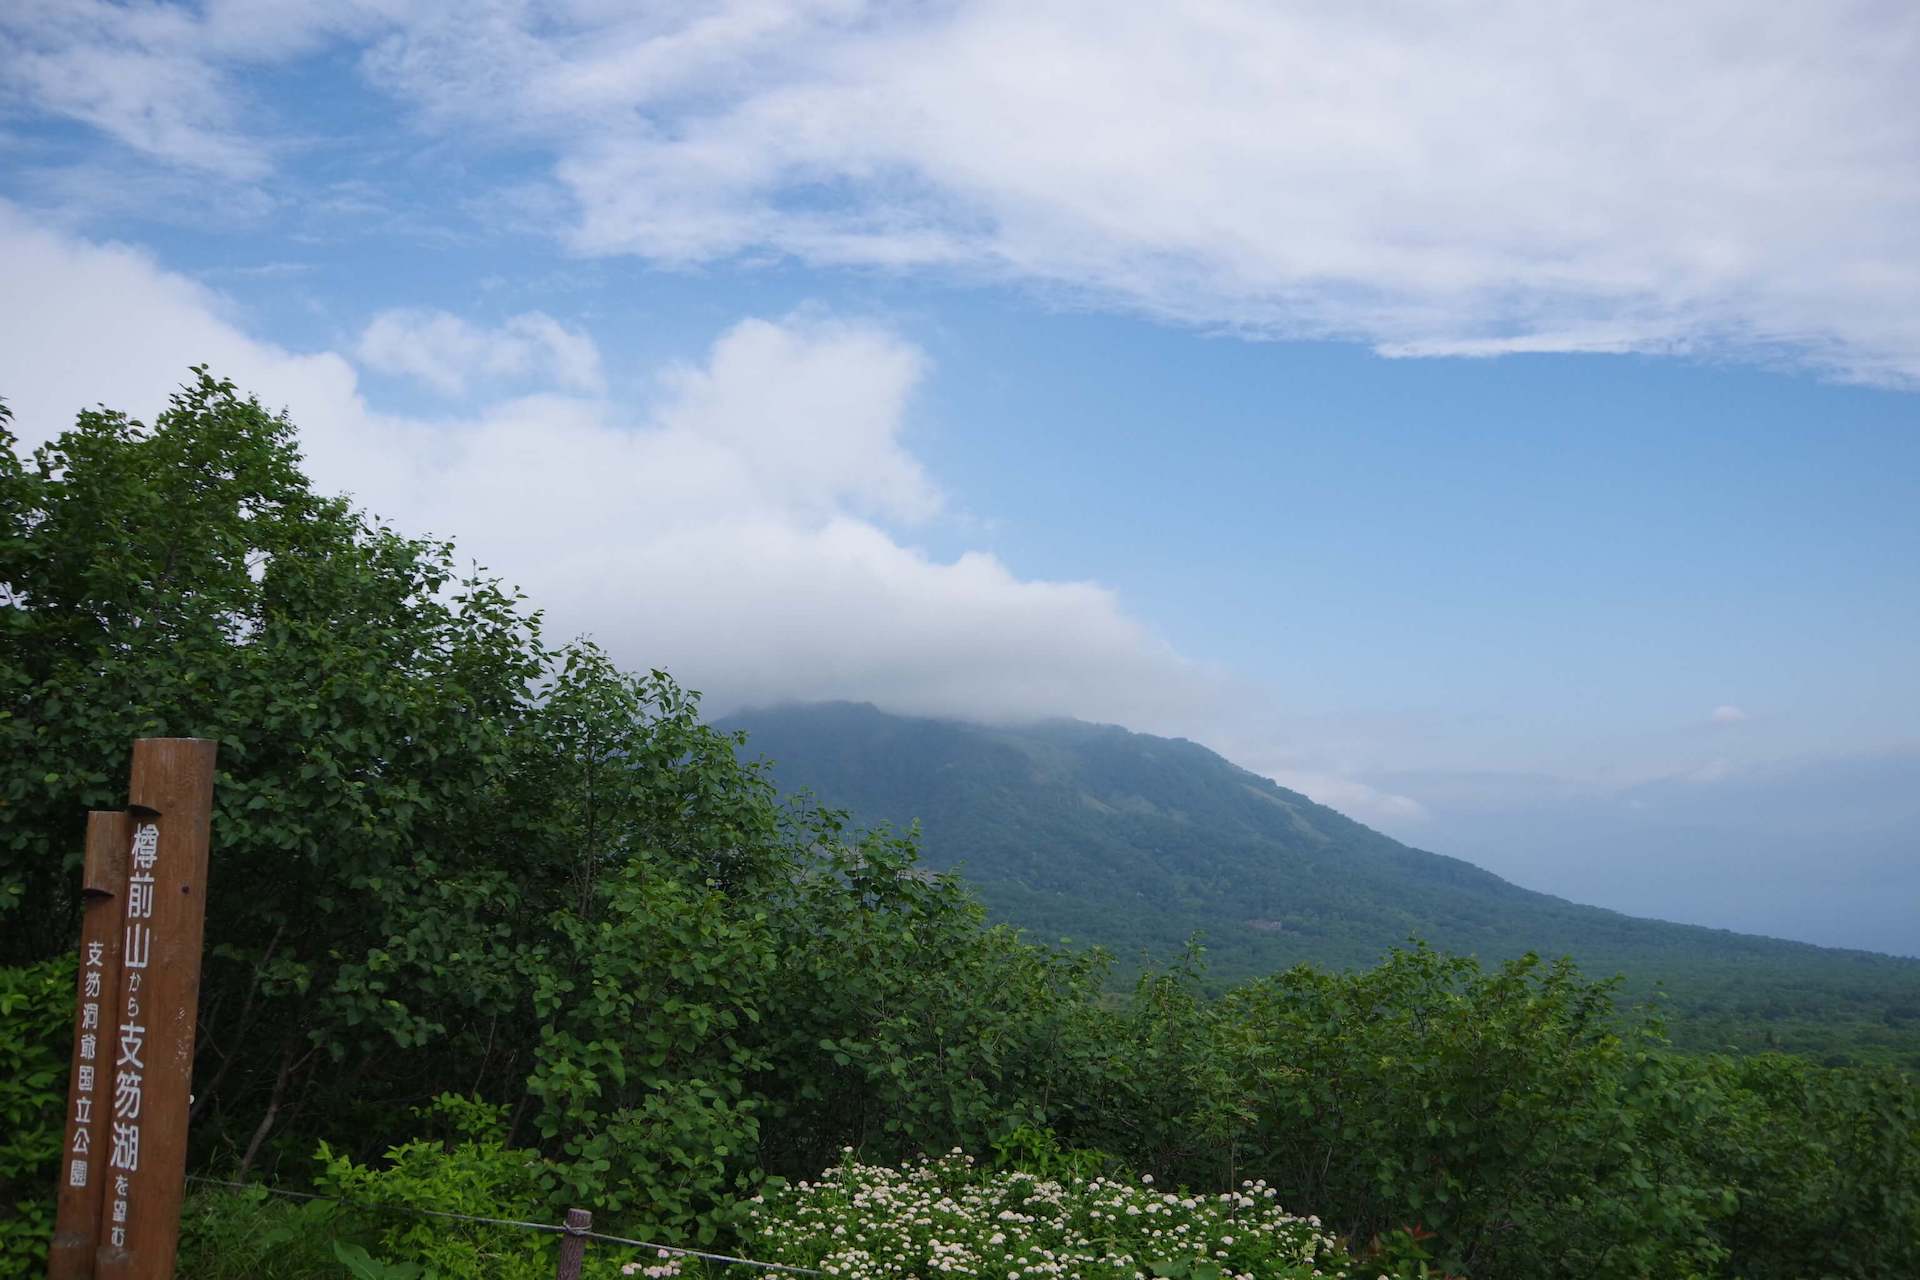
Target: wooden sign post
103,889
143,1066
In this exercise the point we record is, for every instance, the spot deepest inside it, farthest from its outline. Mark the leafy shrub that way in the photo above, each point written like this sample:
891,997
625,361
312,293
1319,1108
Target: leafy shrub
473,1172
36,1011
1822,1166
1512,1123
228,1234
1028,1149
901,1024
1509,1112
650,1039
871,1222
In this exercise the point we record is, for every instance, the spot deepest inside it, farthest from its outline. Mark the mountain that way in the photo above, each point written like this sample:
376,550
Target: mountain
1132,842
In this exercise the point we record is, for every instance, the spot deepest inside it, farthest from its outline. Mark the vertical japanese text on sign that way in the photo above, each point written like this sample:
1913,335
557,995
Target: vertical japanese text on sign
124,1156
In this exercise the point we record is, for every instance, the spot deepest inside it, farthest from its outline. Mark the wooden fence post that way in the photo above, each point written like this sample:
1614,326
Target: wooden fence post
573,1245
83,1159
151,1027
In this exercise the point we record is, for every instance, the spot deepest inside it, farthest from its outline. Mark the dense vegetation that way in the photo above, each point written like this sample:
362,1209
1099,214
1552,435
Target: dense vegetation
497,927
1135,843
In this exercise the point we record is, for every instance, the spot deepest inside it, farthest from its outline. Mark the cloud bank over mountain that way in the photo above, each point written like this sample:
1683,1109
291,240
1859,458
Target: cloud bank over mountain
746,529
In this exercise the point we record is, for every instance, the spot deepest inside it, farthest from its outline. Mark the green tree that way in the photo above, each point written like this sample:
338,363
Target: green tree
184,579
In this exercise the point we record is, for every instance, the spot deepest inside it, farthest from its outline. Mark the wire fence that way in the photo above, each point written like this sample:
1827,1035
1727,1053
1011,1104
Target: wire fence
575,1232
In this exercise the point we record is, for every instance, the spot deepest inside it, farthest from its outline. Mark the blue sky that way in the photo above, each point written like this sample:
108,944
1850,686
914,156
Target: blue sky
1506,430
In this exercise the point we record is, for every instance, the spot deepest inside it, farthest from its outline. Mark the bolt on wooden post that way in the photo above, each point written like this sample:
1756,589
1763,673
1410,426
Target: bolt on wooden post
149,1035
103,891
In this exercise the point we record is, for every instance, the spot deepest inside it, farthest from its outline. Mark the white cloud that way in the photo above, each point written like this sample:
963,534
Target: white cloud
1708,177
163,79
727,532
449,354
1727,713
101,323
1356,799
1539,175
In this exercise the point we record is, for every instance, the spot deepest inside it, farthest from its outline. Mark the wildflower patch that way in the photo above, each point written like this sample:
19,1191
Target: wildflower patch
944,1216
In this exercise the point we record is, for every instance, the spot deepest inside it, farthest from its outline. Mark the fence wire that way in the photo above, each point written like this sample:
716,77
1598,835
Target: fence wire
549,1227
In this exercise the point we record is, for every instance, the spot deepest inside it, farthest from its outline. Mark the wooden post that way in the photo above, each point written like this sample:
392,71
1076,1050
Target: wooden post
152,1026
83,1160
573,1245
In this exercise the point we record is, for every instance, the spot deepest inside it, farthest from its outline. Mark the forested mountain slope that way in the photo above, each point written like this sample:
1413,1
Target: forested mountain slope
1135,843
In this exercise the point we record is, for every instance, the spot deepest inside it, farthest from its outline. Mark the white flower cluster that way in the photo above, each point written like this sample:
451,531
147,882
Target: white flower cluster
943,1217
666,1269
